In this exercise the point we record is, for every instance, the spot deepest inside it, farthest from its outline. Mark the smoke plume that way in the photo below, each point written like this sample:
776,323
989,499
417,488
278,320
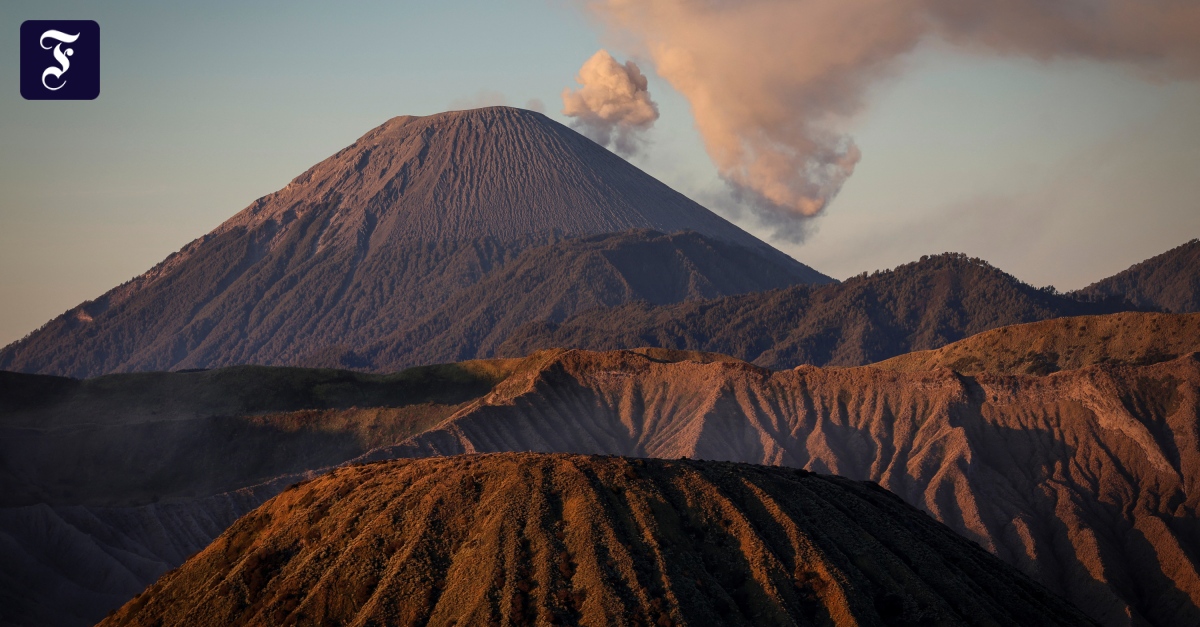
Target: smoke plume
613,103
481,98
772,82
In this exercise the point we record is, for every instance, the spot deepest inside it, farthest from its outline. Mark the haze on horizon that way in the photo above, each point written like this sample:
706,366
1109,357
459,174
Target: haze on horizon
1061,170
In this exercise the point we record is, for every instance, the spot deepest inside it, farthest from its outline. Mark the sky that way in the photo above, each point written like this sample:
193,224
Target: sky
1059,172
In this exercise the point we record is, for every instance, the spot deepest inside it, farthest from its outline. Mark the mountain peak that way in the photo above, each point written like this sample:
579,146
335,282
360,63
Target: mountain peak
497,171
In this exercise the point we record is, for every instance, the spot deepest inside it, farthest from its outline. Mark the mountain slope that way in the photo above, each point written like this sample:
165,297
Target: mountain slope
1085,479
1170,281
68,565
1040,348
366,242
518,539
868,318
552,282
105,484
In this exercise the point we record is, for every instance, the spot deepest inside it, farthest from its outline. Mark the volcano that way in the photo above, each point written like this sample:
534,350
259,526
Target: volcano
377,237
528,539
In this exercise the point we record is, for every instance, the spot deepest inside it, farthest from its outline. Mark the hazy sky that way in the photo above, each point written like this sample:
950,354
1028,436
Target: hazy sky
1059,173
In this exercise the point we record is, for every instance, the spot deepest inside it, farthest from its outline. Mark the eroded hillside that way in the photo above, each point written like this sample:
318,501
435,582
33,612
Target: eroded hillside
523,539
1083,478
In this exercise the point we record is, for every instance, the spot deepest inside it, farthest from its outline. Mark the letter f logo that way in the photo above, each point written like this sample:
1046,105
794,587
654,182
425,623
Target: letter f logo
61,56
60,60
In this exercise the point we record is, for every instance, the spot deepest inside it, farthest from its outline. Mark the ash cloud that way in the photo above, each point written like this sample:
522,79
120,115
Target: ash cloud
771,83
481,98
535,104
612,105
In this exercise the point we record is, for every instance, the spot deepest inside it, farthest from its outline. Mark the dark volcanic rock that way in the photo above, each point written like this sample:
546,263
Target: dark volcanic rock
523,539
67,565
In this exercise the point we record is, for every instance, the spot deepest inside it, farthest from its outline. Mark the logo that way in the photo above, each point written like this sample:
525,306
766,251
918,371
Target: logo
60,60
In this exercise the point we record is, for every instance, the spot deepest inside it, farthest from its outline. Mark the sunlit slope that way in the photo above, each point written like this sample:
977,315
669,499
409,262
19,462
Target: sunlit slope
524,539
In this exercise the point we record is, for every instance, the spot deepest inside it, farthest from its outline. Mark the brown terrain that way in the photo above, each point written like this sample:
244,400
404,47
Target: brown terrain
1063,344
1083,478
524,539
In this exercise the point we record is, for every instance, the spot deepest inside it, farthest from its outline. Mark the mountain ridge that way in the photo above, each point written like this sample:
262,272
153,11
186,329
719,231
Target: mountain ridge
1083,478
987,454
552,282
916,306
1040,348
1169,281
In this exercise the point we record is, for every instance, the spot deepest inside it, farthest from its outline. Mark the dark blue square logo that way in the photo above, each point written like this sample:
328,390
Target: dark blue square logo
60,60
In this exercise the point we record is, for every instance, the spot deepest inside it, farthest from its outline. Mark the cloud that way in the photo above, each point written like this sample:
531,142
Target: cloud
535,104
772,83
613,104
481,98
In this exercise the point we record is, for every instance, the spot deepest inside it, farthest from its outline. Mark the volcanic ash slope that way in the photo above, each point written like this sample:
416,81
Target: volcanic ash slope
523,539
1085,479
380,235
